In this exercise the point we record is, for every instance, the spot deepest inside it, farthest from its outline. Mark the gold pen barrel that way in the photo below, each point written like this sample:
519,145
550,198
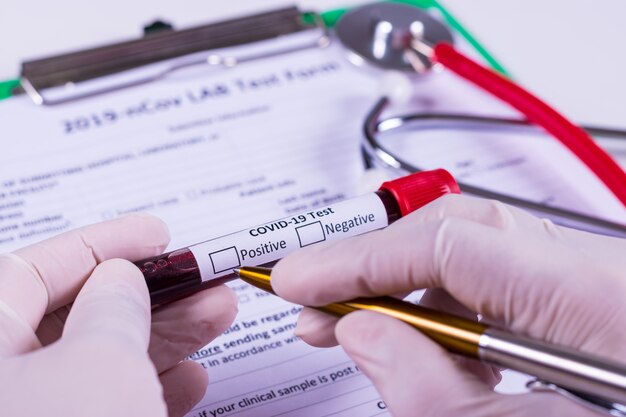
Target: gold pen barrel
454,333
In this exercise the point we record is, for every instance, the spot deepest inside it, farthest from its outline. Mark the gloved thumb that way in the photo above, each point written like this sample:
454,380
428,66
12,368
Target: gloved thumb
102,360
113,306
417,377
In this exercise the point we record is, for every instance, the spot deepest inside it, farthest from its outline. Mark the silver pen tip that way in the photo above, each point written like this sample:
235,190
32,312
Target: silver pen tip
237,271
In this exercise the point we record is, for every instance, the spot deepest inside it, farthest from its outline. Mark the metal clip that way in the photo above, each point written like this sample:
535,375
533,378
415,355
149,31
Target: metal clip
129,64
590,402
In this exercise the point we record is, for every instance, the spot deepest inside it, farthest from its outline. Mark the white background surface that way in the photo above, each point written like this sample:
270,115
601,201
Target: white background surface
570,52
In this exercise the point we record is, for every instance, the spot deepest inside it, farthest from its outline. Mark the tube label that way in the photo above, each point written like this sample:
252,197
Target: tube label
272,241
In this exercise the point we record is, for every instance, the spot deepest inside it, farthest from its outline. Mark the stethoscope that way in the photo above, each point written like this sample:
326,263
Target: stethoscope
394,36
404,38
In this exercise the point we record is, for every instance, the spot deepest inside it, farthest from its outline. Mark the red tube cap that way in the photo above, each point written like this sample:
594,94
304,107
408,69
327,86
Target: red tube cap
417,190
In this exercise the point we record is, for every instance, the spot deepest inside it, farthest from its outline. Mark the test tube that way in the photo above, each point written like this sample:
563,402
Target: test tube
176,274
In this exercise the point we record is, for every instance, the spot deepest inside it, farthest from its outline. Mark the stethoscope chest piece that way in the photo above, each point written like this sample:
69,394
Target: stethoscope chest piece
380,33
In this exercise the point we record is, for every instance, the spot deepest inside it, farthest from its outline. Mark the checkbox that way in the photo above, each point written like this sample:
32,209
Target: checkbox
310,234
225,259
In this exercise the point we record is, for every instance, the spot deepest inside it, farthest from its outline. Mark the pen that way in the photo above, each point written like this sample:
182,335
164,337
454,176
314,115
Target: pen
592,380
184,271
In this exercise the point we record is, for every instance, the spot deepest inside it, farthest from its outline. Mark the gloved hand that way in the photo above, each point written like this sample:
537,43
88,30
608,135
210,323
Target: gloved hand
106,355
524,274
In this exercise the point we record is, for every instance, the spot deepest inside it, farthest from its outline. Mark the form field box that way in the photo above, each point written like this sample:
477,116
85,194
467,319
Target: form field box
310,234
225,259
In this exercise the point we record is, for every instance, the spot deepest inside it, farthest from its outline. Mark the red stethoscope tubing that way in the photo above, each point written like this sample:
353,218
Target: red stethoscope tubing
539,113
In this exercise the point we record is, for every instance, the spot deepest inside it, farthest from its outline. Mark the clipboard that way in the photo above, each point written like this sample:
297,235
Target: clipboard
191,141
65,72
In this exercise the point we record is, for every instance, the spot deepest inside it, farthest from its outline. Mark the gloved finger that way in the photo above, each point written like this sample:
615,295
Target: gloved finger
184,326
316,328
289,279
396,259
439,299
348,257
184,385
412,374
42,277
113,307
363,265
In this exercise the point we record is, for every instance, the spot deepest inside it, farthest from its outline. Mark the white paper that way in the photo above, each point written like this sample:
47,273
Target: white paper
215,151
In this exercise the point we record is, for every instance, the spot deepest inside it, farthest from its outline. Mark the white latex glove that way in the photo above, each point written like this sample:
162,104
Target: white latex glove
526,274
103,357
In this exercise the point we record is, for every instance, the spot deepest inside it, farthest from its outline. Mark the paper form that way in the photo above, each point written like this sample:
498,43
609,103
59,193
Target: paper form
218,152
209,155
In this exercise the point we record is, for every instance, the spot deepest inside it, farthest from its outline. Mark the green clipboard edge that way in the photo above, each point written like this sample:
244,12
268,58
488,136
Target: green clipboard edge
6,87
331,17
